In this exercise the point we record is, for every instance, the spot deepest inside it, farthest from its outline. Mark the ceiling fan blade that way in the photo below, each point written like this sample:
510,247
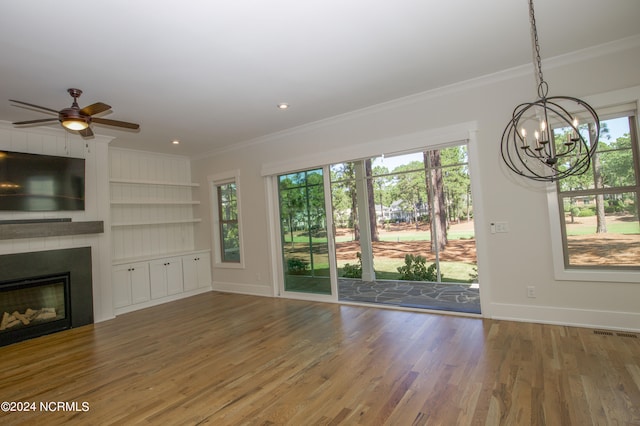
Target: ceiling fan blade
86,133
115,123
34,106
96,108
42,120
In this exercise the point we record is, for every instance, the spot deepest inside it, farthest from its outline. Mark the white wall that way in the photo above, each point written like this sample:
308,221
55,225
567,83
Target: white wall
508,263
95,152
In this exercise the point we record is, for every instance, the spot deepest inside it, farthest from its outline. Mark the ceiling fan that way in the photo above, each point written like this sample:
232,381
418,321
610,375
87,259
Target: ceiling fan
76,119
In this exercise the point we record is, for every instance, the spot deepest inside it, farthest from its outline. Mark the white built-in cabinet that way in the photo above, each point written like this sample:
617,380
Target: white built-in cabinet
196,269
130,284
166,277
153,224
151,282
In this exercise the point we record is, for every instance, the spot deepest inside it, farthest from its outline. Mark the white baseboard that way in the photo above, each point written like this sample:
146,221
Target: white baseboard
250,289
622,321
155,302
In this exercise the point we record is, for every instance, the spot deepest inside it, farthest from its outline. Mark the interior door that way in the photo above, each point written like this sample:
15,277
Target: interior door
308,261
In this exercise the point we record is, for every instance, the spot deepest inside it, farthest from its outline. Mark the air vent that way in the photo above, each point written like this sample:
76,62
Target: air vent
619,334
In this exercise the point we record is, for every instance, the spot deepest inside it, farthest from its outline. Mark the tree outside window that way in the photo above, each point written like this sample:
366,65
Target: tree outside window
228,222
599,209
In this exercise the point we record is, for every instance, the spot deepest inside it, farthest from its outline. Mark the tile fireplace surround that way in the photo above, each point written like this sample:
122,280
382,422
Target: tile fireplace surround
73,261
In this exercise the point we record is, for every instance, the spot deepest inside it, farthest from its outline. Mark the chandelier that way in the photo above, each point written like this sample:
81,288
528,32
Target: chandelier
529,146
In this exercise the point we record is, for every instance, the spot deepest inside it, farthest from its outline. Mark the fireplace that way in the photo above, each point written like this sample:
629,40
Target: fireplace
44,292
33,307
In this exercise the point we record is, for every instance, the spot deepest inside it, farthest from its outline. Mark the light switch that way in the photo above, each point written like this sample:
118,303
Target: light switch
499,227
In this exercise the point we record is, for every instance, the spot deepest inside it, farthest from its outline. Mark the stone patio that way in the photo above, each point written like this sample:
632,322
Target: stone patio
439,296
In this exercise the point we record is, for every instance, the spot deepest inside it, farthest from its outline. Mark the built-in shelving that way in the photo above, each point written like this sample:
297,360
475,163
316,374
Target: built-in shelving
155,182
152,205
157,222
124,261
154,202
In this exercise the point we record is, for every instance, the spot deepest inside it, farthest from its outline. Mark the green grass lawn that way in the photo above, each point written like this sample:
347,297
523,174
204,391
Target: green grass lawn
613,228
412,236
387,268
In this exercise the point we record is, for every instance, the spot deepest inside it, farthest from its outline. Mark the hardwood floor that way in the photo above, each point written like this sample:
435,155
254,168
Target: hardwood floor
228,359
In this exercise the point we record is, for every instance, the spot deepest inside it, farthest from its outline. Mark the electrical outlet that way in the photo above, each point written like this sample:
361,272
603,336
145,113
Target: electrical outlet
531,291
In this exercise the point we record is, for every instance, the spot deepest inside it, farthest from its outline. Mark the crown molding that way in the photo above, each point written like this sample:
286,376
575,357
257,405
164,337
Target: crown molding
485,80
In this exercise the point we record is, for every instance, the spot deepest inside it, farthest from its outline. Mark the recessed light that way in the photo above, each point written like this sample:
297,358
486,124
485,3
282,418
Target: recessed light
175,142
283,106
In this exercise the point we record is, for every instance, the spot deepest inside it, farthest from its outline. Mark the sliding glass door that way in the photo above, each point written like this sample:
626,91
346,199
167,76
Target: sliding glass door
306,240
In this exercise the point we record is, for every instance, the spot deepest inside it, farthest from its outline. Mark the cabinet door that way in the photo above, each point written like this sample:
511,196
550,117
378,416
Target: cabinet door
174,275
196,271
190,272
121,281
139,282
204,270
158,277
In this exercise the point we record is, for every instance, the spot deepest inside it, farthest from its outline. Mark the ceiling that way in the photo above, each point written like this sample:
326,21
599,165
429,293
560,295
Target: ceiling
210,73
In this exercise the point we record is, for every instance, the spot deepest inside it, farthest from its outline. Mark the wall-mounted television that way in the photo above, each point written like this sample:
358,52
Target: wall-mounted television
34,182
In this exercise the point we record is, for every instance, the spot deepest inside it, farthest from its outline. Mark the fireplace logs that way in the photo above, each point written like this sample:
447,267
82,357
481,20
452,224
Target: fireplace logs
29,316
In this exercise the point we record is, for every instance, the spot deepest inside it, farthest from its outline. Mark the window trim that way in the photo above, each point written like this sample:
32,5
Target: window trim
623,98
216,180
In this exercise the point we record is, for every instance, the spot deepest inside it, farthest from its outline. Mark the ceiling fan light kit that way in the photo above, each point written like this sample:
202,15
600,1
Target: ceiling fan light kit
75,124
76,119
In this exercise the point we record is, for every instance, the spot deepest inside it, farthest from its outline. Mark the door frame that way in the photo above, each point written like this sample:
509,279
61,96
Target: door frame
277,268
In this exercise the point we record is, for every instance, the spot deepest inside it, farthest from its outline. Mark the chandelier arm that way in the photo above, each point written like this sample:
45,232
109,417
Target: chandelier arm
511,163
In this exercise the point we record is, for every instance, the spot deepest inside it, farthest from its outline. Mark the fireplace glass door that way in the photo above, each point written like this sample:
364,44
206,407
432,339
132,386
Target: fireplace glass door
33,307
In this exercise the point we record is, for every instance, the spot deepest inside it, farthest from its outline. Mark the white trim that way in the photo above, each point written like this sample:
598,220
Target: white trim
275,250
479,218
222,178
389,146
160,301
149,153
588,318
240,288
610,102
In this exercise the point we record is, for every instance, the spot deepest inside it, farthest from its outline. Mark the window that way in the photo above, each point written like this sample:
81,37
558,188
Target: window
418,203
226,219
599,210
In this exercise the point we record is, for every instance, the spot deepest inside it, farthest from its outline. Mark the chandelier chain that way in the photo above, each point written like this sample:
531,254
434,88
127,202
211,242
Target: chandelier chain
542,85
